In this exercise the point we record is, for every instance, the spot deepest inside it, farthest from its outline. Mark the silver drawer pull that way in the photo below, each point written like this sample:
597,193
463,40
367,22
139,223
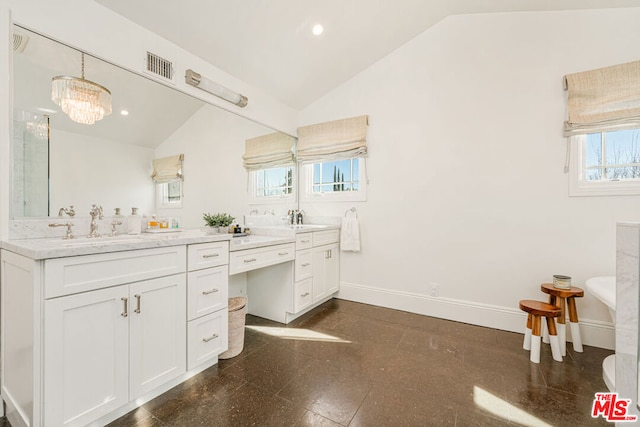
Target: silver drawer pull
283,253
137,297
305,241
210,292
212,337
250,260
306,294
210,255
125,300
306,264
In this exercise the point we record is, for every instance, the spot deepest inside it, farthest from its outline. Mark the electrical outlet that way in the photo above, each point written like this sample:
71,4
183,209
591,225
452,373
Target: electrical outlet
435,290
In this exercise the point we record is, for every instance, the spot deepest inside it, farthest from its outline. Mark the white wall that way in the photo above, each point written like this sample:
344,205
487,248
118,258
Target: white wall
466,166
212,142
86,170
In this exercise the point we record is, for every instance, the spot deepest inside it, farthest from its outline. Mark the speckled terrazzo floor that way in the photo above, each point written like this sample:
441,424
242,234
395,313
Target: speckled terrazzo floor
359,365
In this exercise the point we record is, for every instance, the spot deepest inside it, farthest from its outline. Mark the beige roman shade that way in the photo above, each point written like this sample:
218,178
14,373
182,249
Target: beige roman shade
268,151
604,99
340,139
167,169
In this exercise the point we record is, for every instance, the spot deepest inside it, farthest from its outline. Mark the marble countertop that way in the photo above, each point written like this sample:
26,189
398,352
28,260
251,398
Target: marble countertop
39,249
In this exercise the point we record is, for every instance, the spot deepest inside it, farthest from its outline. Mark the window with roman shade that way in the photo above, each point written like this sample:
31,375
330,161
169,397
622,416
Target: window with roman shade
604,99
339,139
167,169
268,151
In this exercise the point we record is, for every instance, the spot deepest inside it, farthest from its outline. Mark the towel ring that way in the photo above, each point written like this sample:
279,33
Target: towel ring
351,210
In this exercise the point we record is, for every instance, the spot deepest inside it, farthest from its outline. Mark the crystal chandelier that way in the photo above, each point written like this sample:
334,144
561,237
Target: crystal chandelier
82,100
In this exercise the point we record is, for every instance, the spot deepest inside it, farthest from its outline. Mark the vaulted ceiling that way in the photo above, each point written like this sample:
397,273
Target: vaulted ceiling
269,43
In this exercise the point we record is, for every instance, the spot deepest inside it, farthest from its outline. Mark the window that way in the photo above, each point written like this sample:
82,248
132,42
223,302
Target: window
606,163
335,180
272,185
169,194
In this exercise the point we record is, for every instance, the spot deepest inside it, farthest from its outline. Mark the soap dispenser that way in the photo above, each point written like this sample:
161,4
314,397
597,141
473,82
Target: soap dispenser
134,225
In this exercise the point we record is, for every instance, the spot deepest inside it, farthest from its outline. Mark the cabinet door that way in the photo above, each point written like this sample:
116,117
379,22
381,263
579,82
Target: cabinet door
320,254
86,356
332,270
157,332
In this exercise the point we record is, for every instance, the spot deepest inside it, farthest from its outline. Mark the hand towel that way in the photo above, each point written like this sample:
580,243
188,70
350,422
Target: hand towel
350,234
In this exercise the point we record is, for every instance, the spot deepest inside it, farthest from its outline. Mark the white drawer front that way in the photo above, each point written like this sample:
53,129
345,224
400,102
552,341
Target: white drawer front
325,237
207,337
207,291
304,241
205,255
302,297
303,267
252,259
65,276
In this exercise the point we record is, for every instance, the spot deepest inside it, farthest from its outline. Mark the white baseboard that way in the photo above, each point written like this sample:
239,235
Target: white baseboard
594,333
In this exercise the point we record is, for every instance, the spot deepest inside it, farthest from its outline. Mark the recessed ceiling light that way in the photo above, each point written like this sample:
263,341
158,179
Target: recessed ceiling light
124,112
317,29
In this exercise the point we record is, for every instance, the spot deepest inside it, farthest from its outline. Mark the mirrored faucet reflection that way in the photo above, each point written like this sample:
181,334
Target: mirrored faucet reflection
96,213
69,211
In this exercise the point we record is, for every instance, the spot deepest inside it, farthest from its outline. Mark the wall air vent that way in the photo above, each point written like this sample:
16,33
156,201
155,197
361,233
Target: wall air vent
159,67
20,41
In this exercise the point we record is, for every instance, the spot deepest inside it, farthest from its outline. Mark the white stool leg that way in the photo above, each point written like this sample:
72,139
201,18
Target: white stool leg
545,333
575,335
555,348
562,337
535,349
527,339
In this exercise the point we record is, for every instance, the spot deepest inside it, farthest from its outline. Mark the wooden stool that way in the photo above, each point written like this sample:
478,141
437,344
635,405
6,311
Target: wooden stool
537,310
564,298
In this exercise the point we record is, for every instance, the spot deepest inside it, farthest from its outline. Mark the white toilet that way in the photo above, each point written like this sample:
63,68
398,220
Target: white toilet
604,288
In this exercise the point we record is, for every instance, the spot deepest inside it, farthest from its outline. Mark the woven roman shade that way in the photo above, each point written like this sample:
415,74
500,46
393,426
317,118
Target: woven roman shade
340,139
603,100
268,151
167,169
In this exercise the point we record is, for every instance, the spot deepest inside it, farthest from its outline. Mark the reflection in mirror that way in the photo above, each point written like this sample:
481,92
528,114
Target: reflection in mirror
109,163
106,163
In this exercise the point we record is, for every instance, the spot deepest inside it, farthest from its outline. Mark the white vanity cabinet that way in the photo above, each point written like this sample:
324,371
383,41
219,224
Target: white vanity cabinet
207,301
106,347
317,268
87,338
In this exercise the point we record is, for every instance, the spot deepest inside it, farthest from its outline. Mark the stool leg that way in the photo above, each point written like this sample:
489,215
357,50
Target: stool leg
545,333
562,327
553,339
535,340
527,334
575,325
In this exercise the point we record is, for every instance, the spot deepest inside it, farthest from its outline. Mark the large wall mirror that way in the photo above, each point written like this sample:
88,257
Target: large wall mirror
58,163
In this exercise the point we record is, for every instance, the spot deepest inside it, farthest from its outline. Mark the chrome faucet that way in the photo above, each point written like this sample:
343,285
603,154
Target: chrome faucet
69,211
96,213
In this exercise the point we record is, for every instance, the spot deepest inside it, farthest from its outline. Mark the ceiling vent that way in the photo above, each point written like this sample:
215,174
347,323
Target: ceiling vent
20,41
159,67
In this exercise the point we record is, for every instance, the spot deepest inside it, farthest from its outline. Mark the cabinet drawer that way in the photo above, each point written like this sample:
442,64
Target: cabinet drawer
302,297
205,255
304,241
66,276
325,237
303,266
207,291
207,338
252,259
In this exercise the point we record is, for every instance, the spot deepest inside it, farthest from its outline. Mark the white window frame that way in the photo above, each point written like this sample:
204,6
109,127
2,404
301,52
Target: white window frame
161,190
252,188
307,194
578,186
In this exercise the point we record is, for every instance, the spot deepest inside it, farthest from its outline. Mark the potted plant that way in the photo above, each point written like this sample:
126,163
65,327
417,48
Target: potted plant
219,222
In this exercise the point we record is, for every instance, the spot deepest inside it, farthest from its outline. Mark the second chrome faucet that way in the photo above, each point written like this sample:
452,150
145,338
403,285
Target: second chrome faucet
96,213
